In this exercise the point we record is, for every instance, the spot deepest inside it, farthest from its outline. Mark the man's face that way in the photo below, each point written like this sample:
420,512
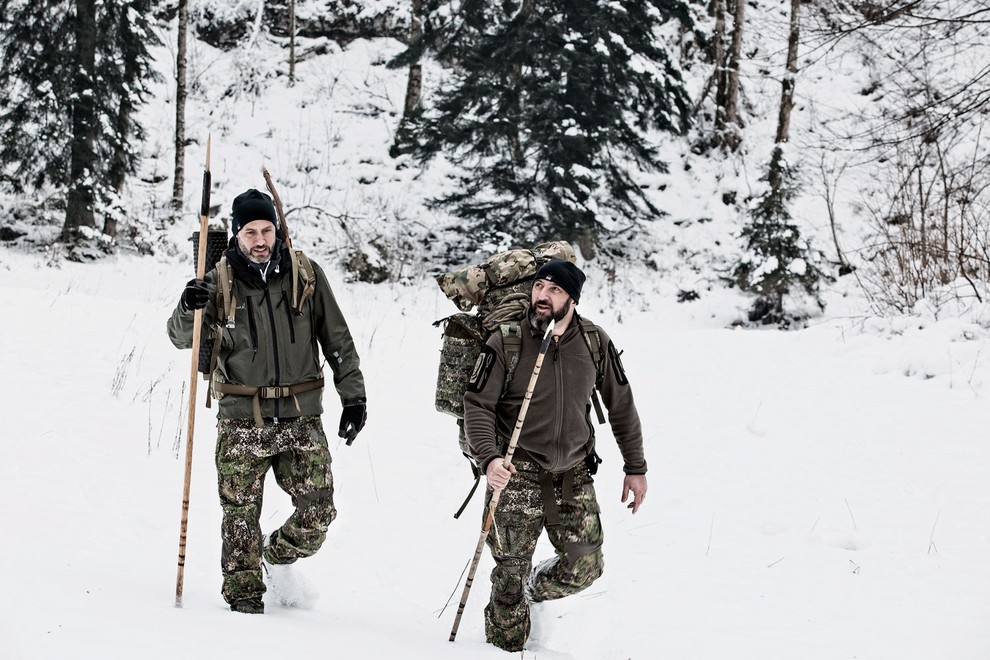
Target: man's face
549,301
256,240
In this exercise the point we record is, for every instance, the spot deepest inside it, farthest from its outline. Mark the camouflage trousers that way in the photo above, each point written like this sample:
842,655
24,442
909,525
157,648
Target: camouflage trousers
520,518
296,451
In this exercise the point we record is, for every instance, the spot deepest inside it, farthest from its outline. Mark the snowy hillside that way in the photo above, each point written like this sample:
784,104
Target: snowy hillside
806,498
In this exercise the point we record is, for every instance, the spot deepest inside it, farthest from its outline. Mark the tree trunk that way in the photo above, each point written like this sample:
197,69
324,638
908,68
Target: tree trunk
292,41
720,78
79,206
178,182
787,84
727,131
786,98
732,73
414,88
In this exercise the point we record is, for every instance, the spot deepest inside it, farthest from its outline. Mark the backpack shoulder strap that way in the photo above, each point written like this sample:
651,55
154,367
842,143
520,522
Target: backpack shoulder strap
593,340
226,300
226,303
303,280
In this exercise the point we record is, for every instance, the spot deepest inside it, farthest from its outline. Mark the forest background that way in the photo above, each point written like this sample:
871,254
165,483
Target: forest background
819,492
770,147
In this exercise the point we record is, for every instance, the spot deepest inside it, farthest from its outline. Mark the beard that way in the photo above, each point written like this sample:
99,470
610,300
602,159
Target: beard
540,317
253,257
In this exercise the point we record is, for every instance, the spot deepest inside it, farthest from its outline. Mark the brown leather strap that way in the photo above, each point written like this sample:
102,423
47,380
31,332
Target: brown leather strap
214,356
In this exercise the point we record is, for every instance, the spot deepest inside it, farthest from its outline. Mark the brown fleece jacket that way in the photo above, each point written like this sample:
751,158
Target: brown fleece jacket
557,432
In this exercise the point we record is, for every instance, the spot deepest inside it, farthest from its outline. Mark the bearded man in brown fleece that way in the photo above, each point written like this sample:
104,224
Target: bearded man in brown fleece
549,485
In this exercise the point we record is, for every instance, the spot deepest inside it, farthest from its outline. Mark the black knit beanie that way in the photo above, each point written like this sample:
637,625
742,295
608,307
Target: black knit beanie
564,274
251,205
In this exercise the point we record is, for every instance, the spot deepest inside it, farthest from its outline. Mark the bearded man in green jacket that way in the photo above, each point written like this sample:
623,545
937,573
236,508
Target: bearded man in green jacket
268,382
549,486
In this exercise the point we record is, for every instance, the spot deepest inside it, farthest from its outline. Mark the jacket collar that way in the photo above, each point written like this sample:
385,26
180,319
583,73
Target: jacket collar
251,273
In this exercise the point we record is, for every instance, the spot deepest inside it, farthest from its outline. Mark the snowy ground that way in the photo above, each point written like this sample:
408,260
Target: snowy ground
819,494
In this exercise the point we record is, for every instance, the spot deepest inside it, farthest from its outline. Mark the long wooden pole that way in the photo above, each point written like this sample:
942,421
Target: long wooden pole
506,462
204,215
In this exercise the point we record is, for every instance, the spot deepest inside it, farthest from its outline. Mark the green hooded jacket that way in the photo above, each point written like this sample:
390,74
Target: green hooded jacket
269,345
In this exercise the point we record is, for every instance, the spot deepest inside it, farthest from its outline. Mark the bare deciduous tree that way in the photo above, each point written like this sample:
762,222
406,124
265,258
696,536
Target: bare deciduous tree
178,182
414,87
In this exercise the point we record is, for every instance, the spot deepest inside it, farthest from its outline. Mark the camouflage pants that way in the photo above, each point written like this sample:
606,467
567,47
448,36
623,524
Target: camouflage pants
296,451
520,518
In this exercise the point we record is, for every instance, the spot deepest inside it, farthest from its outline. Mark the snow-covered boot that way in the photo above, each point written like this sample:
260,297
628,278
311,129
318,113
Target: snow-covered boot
287,586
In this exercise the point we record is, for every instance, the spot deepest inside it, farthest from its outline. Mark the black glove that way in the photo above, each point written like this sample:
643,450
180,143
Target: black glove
197,294
352,419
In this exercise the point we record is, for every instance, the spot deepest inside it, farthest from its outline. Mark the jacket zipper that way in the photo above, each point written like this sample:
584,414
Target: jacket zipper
252,326
288,314
271,318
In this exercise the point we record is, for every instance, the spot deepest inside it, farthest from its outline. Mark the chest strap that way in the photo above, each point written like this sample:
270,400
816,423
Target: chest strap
268,392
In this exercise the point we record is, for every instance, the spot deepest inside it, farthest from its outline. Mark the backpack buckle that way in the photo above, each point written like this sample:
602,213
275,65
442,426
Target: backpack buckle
273,392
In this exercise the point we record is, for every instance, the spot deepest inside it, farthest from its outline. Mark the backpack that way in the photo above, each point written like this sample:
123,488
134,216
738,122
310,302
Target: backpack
500,289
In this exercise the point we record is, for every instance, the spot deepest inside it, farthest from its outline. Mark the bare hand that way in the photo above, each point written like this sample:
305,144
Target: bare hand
498,476
635,484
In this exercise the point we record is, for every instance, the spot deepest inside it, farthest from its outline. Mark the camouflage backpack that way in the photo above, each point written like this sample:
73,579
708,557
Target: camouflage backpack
499,289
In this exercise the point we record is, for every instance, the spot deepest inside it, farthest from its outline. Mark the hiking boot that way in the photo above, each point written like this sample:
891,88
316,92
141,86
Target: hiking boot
248,606
511,639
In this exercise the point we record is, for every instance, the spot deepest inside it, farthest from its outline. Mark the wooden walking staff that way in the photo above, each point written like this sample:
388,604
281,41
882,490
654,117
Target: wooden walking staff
193,376
506,462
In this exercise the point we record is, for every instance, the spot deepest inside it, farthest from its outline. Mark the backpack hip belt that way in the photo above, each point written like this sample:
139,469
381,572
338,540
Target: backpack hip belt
268,392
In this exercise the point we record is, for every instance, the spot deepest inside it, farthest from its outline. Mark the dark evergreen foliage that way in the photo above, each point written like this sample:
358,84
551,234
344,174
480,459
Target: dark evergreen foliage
41,110
547,110
122,76
776,260
34,74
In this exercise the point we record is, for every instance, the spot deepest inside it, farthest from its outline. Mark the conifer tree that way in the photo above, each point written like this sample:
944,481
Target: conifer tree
776,260
547,109
33,74
74,73
122,74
